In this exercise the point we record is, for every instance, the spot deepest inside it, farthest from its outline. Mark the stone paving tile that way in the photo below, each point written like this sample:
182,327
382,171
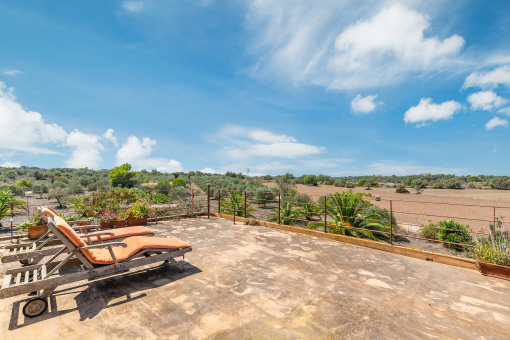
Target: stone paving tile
252,282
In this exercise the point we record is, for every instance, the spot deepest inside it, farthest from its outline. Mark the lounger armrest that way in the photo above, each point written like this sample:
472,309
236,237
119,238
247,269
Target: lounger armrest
97,233
103,245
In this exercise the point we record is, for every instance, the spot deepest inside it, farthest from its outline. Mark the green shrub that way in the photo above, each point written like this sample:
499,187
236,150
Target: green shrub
24,183
459,233
340,183
164,186
75,188
59,194
500,183
58,184
438,185
179,182
92,187
329,182
429,231
452,183
17,190
349,185
12,174
264,196
139,210
85,181
401,190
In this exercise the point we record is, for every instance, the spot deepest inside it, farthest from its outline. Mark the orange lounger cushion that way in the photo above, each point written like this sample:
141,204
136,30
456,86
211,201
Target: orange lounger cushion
49,212
134,245
123,232
69,232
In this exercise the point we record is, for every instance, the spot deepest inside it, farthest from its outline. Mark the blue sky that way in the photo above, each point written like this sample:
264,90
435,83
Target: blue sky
333,87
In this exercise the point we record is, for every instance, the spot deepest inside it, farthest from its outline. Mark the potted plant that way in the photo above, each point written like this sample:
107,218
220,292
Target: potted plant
138,213
36,227
109,219
493,253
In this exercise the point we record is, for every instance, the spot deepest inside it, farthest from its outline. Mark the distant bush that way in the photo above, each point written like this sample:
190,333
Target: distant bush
452,183
92,187
179,182
59,184
349,185
429,231
418,183
84,181
438,185
75,188
122,176
329,183
17,190
24,183
340,183
401,190
12,174
164,186
500,183
264,196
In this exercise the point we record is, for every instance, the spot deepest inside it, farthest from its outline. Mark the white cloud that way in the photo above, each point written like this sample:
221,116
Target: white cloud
109,136
250,143
10,72
495,150
309,43
500,75
496,121
426,110
23,130
136,153
485,100
16,164
364,104
208,171
133,6
505,111
87,151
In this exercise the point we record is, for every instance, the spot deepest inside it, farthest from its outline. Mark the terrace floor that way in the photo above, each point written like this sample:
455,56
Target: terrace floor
253,282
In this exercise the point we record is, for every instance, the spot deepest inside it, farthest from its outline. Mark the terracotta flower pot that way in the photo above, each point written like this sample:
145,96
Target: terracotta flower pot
119,224
37,231
83,223
494,270
136,221
104,225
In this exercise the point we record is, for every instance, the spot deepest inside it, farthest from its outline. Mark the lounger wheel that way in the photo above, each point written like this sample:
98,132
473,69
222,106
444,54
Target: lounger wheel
35,307
23,261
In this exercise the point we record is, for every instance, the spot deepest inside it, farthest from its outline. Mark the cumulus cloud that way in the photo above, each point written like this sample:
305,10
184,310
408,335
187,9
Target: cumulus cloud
133,6
109,136
249,142
505,111
309,43
136,153
500,75
426,110
16,164
208,171
87,150
485,100
23,130
364,104
10,72
496,121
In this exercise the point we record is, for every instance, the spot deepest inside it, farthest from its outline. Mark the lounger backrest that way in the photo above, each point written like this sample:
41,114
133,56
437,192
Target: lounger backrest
68,232
48,212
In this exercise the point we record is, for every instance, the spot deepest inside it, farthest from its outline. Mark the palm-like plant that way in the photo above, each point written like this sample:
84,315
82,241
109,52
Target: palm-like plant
287,215
348,211
235,202
309,210
6,198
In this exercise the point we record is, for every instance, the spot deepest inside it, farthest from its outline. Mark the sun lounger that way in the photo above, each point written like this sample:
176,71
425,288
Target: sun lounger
34,252
97,261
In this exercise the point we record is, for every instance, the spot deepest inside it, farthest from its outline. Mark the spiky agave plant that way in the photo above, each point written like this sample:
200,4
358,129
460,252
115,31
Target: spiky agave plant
309,210
348,211
288,215
494,249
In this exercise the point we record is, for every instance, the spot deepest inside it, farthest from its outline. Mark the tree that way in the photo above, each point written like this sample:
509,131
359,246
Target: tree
122,176
75,188
60,195
179,182
52,174
500,183
40,189
264,196
24,183
164,186
12,174
452,183
6,198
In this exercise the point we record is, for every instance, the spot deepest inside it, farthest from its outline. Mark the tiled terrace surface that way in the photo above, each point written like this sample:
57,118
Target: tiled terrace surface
253,282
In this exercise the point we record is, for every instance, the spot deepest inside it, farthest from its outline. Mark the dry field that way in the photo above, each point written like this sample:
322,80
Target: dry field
470,206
